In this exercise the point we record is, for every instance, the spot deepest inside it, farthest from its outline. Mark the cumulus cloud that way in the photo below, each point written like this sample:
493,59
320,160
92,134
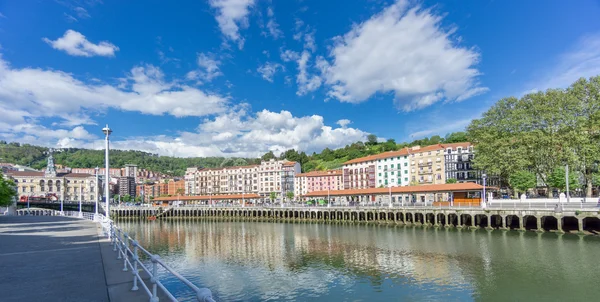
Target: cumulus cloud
306,81
231,15
208,68
76,44
269,69
81,12
406,51
236,133
50,93
344,122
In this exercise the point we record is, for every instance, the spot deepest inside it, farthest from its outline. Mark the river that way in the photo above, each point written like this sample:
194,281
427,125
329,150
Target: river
262,261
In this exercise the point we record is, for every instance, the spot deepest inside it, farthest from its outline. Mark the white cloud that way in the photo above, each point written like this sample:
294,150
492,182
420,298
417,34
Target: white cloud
268,70
50,93
81,12
231,15
344,122
70,18
441,129
306,82
208,68
231,134
580,60
272,25
76,44
403,50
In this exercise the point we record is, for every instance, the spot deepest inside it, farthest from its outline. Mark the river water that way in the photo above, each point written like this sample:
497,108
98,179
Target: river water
261,261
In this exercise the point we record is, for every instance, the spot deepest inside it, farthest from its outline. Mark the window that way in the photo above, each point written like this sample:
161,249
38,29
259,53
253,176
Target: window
405,171
379,174
405,164
405,178
429,153
392,173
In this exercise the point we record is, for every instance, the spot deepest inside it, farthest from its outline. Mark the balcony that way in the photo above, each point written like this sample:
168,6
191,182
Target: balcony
425,164
430,171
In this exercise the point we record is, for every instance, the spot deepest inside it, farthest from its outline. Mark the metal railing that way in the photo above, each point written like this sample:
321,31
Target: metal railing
128,250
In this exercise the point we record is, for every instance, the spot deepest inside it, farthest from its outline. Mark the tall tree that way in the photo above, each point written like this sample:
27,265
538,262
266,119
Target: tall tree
584,137
372,139
557,179
7,191
268,156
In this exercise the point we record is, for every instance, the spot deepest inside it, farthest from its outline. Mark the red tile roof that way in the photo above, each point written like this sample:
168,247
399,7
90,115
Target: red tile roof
289,163
458,187
403,152
463,145
208,197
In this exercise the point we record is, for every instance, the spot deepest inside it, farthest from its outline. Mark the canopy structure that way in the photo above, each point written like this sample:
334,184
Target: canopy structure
459,191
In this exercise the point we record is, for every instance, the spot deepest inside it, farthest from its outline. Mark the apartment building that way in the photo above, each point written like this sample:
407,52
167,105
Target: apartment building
458,160
152,190
127,186
427,165
317,181
383,169
277,176
270,176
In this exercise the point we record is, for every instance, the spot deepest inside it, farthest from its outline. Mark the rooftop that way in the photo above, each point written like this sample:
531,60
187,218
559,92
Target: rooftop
319,173
209,197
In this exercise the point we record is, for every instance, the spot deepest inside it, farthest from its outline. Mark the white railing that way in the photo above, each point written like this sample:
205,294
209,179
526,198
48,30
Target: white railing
128,250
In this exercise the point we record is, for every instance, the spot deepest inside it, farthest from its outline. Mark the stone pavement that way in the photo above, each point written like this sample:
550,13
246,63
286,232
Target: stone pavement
51,258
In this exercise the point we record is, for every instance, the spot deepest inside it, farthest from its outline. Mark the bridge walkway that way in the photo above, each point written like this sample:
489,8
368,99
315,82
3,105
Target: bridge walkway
51,258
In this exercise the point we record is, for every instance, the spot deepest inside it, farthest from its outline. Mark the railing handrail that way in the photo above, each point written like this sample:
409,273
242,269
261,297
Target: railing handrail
123,244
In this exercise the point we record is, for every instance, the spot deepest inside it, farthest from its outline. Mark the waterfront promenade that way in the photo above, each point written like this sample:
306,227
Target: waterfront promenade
53,258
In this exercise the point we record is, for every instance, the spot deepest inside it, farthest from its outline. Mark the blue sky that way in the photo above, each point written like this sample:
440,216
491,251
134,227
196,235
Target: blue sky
242,77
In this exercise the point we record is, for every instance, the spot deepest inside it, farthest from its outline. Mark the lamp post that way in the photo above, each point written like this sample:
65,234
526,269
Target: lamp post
80,198
567,182
328,199
243,200
96,194
484,176
391,205
107,132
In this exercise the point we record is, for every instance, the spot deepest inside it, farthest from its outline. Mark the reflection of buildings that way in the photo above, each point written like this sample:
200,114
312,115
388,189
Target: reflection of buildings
361,251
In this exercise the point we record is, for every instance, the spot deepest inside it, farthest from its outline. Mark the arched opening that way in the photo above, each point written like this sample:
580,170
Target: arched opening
549,223
495,221
409,218
482,221
570,223
441,218
466,220
512,222
530,222
42,185
452,219
591,224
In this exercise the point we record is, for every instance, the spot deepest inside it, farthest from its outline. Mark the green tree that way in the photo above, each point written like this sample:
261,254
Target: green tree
273,196
268,156
557,179
290,195
138,198
372,139
7,191
451,181
116,197
456,137
521,181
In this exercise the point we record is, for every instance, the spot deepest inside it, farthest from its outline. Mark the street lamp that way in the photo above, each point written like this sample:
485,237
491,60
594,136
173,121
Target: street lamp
484,176
80,198
391,205
567,182
96,194
328,199
106,132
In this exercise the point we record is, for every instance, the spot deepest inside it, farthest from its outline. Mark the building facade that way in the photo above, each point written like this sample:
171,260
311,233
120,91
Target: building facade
270,176
52,185
427,165
127,186
359,173
317,181
176,187
458,161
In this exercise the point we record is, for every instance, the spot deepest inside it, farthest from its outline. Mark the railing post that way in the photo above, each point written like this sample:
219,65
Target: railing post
154,278
135,265
116,240
125,254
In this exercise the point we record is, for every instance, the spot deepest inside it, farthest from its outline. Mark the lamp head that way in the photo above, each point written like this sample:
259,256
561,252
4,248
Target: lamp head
106,130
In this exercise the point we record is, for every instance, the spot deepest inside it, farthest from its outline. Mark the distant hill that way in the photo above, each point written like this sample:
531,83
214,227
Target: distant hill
35,156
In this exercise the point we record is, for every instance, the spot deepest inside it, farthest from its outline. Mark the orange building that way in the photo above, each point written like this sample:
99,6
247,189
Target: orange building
176,187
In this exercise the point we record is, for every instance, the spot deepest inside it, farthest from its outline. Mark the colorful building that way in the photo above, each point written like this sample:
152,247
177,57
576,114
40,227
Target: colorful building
317,181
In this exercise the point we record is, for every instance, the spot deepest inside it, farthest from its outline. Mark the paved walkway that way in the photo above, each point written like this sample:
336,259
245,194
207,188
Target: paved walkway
50,258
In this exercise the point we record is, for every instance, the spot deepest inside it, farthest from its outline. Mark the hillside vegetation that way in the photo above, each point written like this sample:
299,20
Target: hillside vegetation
35,156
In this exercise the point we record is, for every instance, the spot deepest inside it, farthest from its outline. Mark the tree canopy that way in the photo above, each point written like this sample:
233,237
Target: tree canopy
7,191
523,180
541,132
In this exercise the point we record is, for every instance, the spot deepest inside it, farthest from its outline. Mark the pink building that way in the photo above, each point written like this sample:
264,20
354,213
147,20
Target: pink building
317,181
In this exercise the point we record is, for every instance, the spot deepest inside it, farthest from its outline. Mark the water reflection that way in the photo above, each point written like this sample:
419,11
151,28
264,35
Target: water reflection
254,261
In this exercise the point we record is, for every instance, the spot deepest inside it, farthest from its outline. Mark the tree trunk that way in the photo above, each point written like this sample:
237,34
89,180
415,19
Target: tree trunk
588,184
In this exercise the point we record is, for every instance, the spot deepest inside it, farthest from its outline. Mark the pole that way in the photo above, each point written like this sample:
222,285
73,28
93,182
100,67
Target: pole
328,196
107,132
96,191
567,181
391,196
483,197
243,200
80,197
